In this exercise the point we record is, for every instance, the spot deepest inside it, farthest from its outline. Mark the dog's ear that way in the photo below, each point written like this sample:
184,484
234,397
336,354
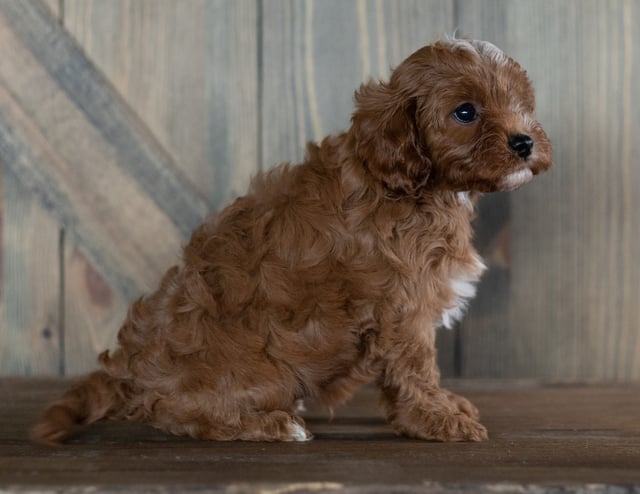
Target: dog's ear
388,138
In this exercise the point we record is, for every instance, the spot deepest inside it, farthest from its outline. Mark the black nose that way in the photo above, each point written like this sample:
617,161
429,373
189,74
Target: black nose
521,144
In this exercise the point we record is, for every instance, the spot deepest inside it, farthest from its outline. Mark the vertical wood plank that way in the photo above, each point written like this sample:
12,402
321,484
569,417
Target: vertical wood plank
573,296
561,299
78,165
30,322
94,312
583,311
189,70
317,53
69,137
54,7
486,330
29,313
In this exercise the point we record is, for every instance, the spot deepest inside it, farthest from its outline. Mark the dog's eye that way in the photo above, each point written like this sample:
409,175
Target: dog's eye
465,113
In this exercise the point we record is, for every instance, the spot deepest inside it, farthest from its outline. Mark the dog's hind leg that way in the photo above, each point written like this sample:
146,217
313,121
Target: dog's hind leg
95,397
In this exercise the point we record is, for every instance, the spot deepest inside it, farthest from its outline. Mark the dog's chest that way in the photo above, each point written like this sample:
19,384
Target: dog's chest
462,285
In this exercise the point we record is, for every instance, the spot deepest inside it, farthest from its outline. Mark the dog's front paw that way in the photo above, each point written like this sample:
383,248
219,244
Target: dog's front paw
463,405
298,431
276,425
442,426
459,427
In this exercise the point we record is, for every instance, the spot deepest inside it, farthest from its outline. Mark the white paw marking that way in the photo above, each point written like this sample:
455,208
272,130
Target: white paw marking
299,434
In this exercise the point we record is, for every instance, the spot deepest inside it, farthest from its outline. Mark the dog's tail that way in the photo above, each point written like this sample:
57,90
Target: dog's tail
95,397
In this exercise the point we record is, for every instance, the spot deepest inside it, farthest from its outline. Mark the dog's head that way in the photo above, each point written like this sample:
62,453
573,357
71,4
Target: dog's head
455,115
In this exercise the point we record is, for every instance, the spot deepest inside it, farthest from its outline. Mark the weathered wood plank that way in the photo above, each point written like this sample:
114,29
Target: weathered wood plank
146,161
72,140
559,438
582,312
2,214
55,6
561,298
93,312
189,70
92,309
198,98
30,339
30,319
316,54
574,311
485,331
31,325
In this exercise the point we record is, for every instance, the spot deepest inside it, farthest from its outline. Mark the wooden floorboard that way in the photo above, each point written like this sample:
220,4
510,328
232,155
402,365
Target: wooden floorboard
580,438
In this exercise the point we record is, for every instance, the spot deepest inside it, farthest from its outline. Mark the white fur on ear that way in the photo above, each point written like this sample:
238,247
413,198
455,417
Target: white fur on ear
478,48
461,43
490,50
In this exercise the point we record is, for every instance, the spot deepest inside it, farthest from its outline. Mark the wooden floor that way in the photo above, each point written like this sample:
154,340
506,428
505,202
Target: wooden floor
576,438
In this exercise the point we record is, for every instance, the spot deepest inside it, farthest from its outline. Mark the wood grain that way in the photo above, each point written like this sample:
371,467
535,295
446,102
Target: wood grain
563,439
189,70
486,331
573,282
89,171
93,312
55,6
581,312
317,53
164,109
145,160
31,324
30,310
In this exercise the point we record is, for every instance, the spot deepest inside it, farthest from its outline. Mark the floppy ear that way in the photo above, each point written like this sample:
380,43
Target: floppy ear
388,139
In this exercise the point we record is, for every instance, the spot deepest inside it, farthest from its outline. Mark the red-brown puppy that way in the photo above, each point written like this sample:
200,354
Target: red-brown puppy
333,272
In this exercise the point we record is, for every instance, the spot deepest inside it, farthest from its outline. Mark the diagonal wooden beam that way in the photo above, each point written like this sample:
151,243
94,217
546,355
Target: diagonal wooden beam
70,138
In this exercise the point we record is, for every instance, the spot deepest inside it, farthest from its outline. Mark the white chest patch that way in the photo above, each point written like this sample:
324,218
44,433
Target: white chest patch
463,285
465,200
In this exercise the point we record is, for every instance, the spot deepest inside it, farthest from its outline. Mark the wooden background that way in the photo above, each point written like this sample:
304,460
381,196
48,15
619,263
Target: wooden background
123,122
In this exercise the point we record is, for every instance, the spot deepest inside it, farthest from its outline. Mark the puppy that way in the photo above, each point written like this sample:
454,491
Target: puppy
333,272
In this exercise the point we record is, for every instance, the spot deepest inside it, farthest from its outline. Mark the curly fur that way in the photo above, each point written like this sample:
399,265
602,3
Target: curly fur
330,273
